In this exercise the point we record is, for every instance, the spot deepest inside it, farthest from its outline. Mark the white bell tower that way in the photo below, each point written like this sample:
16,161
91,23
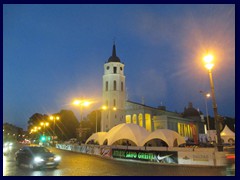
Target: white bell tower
114,95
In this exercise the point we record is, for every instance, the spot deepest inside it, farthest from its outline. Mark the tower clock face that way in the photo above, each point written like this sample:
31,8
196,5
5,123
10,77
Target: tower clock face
107,67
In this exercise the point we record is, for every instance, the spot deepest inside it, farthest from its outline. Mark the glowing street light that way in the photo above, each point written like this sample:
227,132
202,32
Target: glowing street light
54,118
208,59
44,124
81,103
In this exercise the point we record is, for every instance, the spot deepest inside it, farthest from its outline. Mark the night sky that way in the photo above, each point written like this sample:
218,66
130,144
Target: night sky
53,54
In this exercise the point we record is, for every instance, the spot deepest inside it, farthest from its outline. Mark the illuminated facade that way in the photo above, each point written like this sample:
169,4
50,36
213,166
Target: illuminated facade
119,110
113,92
158,118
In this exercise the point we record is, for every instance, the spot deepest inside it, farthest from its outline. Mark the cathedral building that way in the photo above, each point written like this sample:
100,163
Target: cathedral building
120,110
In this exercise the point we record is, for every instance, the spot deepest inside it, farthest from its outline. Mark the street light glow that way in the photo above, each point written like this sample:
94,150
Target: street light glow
209,65
76,102
208,61
81,103
104,107
86,103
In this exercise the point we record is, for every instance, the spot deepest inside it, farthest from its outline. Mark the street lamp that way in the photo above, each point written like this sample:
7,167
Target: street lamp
54,118
44,124
96,119
208,59
205,96
81,103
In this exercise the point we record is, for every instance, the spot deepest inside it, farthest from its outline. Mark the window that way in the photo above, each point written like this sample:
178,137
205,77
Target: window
140,119
121,86
114,70
134,119
114,85
148,122
114,102
128,118
106,87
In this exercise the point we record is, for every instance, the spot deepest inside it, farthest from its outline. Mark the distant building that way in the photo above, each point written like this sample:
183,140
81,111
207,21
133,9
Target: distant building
12,132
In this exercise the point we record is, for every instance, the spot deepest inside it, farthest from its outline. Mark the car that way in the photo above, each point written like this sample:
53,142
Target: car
36,157
7,148
230,157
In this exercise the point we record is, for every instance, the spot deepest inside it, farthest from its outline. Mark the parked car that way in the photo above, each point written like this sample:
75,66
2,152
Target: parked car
36,157
7,148
230,157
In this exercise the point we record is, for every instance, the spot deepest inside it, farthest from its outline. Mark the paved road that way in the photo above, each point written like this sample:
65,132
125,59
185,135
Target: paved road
76,164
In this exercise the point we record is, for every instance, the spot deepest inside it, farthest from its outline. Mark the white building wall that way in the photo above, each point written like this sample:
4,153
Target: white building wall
111,117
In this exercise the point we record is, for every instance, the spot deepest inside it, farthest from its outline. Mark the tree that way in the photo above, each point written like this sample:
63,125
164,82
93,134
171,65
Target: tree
67,125
88,126
36,119
12,132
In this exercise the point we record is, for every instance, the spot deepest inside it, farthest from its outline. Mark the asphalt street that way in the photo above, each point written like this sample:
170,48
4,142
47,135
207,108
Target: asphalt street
77,164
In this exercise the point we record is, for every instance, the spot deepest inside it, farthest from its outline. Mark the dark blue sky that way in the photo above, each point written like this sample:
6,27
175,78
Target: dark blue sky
55,53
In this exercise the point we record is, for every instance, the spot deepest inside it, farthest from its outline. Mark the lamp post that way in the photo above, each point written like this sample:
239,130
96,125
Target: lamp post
205,96
96,120
44,124
208,59
81,103
54,118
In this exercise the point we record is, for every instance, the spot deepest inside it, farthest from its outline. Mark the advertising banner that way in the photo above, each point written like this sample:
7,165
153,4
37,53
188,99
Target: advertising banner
165,157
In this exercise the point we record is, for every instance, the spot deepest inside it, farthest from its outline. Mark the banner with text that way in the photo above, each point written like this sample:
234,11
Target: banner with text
165,157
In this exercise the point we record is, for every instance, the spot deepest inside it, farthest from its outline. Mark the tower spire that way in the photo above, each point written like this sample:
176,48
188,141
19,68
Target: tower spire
114,50
114,57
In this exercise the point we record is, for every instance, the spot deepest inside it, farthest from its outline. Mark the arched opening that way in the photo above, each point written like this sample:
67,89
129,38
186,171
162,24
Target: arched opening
156,143
175,143
140,120
124,142
128,118
105,142
134,119
94,142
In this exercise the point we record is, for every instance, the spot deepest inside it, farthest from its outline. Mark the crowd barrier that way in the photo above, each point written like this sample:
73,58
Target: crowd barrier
162,155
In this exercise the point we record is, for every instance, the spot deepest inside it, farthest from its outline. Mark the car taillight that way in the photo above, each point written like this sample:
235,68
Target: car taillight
230,156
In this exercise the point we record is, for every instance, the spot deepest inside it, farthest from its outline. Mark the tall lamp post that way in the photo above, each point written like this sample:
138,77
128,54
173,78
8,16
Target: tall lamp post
44,124
96,119
82,104
205,96
54,118
208,59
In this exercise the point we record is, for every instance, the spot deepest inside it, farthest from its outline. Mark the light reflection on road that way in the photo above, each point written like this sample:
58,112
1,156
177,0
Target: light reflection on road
77,164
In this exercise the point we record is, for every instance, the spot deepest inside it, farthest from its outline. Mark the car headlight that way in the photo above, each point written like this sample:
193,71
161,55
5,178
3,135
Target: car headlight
5,149
57,158
38,159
